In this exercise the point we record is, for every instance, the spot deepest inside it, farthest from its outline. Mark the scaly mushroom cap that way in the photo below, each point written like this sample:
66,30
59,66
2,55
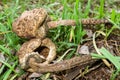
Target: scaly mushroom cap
37,49
31,24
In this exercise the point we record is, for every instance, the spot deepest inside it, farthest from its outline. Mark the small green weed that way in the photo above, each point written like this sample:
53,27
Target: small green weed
113,59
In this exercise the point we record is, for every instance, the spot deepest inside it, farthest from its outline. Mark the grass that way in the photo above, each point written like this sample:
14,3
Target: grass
113,59
64,37
105,54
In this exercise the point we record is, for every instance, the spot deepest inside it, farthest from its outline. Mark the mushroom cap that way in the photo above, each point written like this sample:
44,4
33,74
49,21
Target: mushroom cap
35,48
26,50
28,24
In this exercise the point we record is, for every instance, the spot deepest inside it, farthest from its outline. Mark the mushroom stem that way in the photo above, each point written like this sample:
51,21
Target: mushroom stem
62,65
90,21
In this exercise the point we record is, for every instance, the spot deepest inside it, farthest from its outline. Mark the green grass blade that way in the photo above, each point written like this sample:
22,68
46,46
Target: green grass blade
5,50
110,57
87,10
97,56
113,14
1,69
101,9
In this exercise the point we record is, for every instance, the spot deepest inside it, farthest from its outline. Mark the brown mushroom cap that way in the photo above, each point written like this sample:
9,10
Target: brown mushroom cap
29,24
26,49
35,48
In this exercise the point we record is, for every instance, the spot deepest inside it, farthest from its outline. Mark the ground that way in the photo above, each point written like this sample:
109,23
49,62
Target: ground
70,40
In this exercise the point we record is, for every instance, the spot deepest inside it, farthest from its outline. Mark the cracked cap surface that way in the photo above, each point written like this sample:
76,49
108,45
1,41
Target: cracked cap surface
28,24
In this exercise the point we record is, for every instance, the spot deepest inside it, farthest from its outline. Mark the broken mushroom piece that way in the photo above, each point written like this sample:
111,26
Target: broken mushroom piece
41,51
31,24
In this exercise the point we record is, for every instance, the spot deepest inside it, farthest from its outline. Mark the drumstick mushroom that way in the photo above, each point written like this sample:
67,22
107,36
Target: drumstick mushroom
35,23
42,51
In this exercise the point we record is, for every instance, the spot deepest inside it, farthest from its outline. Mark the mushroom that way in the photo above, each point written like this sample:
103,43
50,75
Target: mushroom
42,51
31,24
80,61
35,23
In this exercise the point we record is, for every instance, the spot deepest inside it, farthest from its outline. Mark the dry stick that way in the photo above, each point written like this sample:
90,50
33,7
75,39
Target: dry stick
63,65
90,21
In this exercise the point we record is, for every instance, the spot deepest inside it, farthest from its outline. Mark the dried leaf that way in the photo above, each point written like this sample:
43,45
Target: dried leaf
34,75
83,50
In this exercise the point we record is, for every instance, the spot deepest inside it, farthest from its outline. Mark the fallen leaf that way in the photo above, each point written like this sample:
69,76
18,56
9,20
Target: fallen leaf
83,50
34,75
